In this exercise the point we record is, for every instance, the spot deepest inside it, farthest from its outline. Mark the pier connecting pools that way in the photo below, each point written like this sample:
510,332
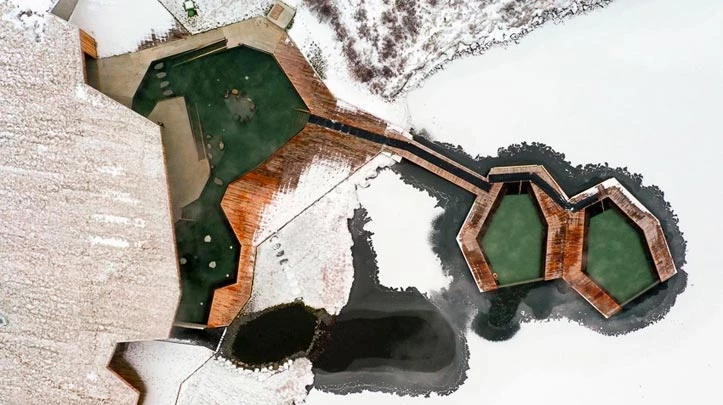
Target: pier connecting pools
603,242
241,108
231,109
617,256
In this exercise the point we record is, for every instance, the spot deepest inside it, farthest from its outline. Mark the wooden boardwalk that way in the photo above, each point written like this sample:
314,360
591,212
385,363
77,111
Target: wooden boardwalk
245,200
539,170
566,232
573,271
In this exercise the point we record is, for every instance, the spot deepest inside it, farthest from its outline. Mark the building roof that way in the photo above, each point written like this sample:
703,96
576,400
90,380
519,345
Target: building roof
86,241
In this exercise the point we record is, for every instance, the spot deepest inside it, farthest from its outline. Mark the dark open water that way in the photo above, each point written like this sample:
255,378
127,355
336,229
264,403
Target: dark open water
404,342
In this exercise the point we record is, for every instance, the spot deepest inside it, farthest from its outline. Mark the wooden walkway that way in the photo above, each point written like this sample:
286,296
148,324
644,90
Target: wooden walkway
468,243
556,219
644,219
245,200
539,170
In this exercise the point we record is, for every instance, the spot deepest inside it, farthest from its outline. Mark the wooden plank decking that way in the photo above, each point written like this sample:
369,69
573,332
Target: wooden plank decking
539,170
467,238
650,226
565,243
573,273
88,45
245,199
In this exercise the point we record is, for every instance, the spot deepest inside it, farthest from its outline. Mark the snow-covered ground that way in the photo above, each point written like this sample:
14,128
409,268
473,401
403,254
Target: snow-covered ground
217,13
394,45
308,33
87,249
29,15
162,366
401,224
120,26
637,84
310,257
220,382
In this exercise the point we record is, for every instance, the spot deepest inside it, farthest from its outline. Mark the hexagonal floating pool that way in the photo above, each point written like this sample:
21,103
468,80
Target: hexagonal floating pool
513,237
617,256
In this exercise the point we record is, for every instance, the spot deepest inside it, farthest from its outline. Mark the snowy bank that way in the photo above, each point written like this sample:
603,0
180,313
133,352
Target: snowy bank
401,224
220,382
310,257
122,26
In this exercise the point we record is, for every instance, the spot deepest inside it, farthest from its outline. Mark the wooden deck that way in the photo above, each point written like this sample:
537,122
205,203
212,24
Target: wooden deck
245,199
88,45
645,220
573,271
565,244
556,219
467,238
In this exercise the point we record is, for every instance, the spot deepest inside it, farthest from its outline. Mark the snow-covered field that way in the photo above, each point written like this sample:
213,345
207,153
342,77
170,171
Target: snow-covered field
637,84
120,26
394,45
310,257
401,225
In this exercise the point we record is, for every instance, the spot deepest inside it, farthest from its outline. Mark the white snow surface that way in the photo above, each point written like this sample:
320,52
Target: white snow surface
217,13
220,382
323,174
306,32
310,257
29,15
162,366
394,45
401,225
120,26
636,84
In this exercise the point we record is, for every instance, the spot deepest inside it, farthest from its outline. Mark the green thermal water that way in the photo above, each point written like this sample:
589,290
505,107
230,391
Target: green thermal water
203,82
514,240
617,257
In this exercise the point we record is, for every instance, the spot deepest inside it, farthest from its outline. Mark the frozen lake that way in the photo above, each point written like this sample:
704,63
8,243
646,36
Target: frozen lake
637,84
